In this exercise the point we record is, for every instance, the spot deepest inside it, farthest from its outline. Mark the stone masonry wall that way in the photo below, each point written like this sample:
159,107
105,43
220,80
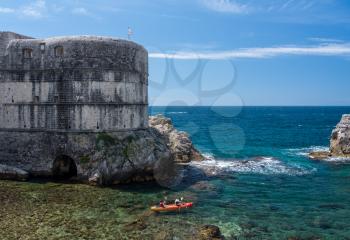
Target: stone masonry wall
73,84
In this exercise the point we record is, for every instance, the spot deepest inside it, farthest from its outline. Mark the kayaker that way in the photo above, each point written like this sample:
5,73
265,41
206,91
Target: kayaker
177,202
162,204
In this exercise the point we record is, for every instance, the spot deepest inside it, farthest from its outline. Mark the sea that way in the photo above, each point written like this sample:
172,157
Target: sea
276,191
259,184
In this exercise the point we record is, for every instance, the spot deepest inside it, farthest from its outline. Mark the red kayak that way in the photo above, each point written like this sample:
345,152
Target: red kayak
172,207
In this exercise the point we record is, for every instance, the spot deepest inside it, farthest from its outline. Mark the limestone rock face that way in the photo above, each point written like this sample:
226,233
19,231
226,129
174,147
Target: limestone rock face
101,158
179,142
340,140
320,155
12,173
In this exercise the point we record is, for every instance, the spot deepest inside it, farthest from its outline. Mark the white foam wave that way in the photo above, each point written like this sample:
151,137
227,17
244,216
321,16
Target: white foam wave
307,150
176,112
259,165
341,160
208,156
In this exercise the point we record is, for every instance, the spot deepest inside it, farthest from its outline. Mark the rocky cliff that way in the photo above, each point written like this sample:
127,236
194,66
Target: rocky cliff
100,158
178,142
339,142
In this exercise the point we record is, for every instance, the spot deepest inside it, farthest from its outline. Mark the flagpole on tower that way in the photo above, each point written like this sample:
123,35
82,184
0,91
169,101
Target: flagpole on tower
130,33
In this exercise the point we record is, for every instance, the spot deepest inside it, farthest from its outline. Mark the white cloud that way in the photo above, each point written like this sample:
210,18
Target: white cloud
80,11
229,6
36,9
6,10
268,52
328,40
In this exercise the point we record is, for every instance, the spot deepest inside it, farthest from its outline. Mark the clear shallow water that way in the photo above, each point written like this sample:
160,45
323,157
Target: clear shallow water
277,191
270,189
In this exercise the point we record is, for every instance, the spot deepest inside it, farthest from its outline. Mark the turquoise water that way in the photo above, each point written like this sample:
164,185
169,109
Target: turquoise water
275,191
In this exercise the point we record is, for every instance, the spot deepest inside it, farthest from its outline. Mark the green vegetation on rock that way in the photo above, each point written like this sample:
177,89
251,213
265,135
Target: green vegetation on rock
104,140
84,159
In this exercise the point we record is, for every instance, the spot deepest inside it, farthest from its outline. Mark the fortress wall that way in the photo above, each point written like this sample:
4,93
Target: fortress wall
6,37
97,84
81,117
82,92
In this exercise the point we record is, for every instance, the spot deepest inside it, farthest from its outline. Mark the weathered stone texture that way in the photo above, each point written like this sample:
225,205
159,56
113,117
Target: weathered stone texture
78,107
73,84
104,158
6,37
340,140
179,142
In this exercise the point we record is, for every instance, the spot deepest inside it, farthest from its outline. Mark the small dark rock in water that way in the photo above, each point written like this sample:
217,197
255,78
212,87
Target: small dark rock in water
249,225
331,206
139,224
164,235
209,232
204,186
303,238
227,204
274,208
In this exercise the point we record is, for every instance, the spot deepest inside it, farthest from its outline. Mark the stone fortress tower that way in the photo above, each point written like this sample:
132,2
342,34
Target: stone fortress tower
72,106
72,84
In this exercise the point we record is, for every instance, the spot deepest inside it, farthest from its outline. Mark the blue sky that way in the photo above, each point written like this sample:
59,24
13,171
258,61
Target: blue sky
214,52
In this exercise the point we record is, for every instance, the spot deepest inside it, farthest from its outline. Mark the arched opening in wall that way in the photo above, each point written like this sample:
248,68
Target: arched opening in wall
64,167
59,51
27,53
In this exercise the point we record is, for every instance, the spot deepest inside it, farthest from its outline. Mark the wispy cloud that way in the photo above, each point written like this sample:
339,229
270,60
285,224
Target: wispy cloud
80,11
252,6
326,40
36,9
268,52
228,6
6,10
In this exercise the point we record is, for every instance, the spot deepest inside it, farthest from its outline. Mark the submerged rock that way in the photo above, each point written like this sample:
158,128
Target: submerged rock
209,232
12,173
179,142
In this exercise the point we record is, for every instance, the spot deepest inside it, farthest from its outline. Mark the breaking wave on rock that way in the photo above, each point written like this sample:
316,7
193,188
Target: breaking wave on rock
258,165
176,112
306,151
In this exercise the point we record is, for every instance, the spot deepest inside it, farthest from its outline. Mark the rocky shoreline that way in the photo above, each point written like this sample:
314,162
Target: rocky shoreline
112,158
339,142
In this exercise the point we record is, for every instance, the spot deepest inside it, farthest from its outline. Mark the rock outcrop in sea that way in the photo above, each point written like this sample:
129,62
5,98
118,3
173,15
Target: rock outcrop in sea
178,142
339,142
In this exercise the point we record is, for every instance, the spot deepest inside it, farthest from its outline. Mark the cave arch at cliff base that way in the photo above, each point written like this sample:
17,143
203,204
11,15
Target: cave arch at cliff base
64,167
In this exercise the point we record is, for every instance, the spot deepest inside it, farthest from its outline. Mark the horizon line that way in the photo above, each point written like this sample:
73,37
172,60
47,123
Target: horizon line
250,106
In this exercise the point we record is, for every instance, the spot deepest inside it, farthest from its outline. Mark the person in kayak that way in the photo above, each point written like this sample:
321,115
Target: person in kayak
162,204
177,202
